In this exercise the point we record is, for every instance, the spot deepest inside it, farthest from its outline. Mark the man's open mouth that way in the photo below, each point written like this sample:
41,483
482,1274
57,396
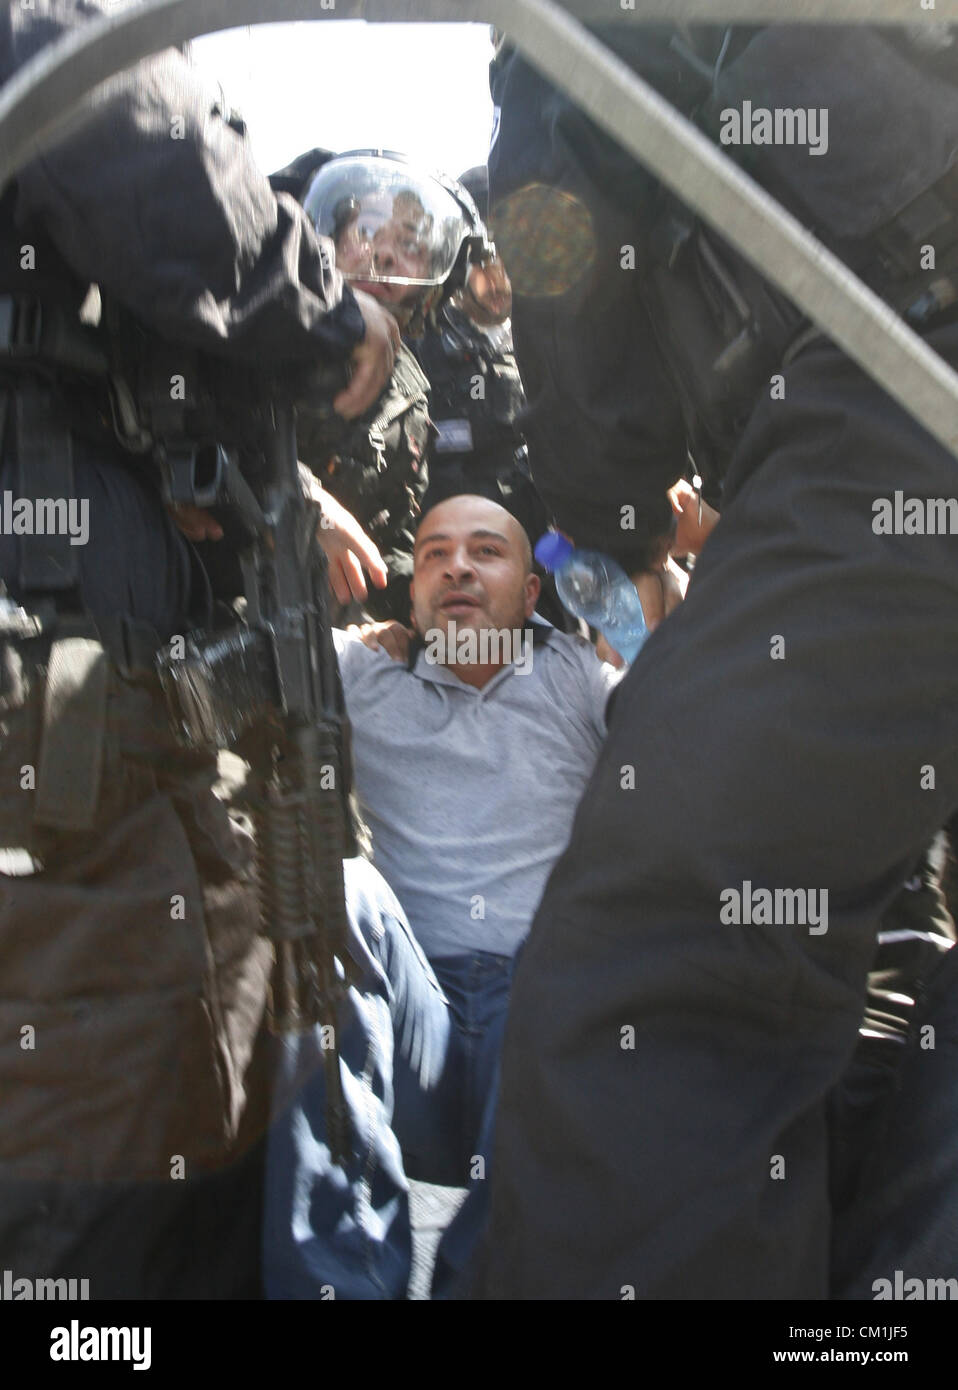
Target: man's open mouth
458,603
376,288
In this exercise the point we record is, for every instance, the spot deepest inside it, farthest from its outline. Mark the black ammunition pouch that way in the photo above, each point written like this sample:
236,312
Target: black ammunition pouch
722,329
53,382
475,391
891,261
82,721
42,335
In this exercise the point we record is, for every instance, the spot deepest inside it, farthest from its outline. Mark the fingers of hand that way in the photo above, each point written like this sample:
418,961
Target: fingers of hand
372,561
350,534
682,496
361,391
338,581
353,572
390,637
366,634
395,641
349,551
373,359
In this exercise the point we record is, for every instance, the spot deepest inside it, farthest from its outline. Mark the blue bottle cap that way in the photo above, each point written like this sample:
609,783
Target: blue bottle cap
552,550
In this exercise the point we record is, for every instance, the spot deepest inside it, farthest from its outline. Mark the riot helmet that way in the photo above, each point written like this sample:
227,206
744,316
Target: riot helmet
403,234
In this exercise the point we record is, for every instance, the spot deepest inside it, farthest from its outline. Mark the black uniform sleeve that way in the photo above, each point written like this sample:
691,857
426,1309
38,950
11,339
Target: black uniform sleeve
157,199
602,420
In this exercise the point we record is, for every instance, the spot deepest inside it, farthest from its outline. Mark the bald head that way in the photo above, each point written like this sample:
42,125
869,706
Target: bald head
472,563
469,507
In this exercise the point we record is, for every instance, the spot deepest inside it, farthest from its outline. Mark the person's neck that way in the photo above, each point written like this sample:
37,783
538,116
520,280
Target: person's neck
474,675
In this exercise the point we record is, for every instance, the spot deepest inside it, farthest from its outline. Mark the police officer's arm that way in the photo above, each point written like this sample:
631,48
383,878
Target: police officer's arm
157,199
695,520
372,360
660,591
347,548
661,588
345,544
603,422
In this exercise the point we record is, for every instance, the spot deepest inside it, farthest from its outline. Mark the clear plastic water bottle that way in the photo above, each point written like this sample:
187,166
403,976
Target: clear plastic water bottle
592,586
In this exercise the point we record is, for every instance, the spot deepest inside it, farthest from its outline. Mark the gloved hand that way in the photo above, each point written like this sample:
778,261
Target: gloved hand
372,360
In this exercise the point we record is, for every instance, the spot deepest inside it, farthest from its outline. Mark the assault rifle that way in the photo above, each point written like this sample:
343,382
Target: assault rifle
269,684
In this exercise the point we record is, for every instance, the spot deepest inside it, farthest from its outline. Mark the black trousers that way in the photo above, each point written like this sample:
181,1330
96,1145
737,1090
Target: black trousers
793,725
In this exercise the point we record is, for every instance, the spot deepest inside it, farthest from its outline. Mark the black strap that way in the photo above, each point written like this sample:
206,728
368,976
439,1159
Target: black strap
74,729
4,416
132,647
48,563
892,265
40,333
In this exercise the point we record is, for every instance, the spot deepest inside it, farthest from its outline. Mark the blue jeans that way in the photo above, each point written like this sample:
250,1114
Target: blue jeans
419,1049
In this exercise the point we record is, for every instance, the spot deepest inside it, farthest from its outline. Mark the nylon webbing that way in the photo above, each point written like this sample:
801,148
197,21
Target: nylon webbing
73,737
48,563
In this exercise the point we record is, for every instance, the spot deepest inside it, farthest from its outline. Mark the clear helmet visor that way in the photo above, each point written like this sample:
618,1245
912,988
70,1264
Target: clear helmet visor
390,224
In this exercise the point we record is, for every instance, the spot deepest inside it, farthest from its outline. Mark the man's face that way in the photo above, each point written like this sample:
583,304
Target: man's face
387,237
472,566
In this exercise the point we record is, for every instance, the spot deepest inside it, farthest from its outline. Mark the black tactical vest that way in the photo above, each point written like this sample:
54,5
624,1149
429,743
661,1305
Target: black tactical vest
475,392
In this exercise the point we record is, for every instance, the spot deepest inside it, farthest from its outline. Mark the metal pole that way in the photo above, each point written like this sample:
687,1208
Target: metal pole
34,105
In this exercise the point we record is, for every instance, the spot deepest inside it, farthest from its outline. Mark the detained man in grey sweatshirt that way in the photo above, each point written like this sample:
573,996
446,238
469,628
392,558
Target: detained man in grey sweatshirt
471,754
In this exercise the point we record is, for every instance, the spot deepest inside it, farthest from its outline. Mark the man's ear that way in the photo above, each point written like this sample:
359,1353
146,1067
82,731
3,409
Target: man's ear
412,607
533,589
